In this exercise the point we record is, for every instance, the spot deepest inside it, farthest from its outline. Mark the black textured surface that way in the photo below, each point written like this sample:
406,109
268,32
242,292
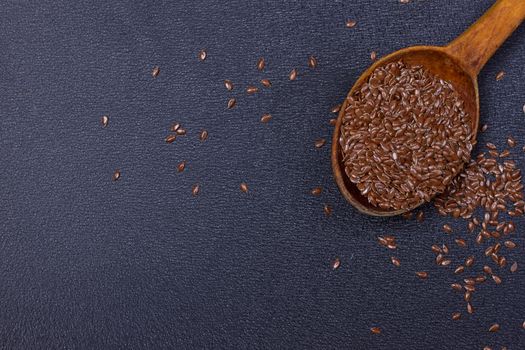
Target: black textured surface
141,264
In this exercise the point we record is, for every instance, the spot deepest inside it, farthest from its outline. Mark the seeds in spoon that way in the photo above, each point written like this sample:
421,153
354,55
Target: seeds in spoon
312,62
261,64
293,74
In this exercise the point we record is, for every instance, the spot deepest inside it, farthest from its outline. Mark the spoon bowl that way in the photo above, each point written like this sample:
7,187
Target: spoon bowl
458,63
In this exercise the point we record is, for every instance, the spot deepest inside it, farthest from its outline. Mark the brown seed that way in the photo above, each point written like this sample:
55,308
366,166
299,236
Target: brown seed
502,262
470,309
312,62
457,287
174,127
395,261
444,248
181,131
382,241
336,263
469,261
336,108
244,187
332,122
484,128
500,75
391,246
252,90
104,120
231,103
435,248
468,296
514,267
350,23
116,175
375,330
469,281
420,216
266,83
496,279
293,74
510,244
494,328
181,166
459,270
511,141
203,135
170,138
456,316
319,143
446,262
316,191
487,269
373,55
261,64
327,210
155,72
487,348
404,1
447,228
266,118
202,55
228,84
195,190
461,242
523,325
422,274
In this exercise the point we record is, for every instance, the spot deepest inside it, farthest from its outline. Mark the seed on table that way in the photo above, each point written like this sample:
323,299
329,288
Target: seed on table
491,146
447,228
155,72
461,242
456,316
467,296
203,135
504,154
116,175
445,262
327,210
181,132
510,244
316,191
469,288
514,267
511,141
395,261
489,251
266,118
336,263
502,261
266,83
351,23
231,103
500,75
244,187
439,259
312,62
181,166
104,120
228,84
202,55
195,190
336,108
523,325
496,279
444,248
404,1
487,269
470,309
375,330
252,90
293,74
487,348
422,274
484,128
382,241
261,64
174,127
459,270
170,138
420,216
319,143
494,328
373,55
469,261
457,287
469,281
332,122
435,248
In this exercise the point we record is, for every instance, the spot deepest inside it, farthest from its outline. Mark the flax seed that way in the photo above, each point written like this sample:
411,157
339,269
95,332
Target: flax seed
155,72
202,55
336,263
261,64
266,83
395,261
181,166
293,74
312,62
266,118
228,84
231,103
244,187
104,120
422,274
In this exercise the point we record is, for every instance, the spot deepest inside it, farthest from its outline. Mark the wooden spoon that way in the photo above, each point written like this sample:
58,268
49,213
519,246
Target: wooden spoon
458,63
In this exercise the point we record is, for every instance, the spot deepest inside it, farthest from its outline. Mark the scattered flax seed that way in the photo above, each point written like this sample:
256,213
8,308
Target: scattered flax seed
500,75
422,274
461,242
181,166
404,1
293,74
266,118
484,128
447,228
336,108
468,296
457,287
316,191
373,55
202,55
487,269
456,316
511,141
228,84
181,132
261,64
445,262
104,120
524,111
336,263
231,103
444,248
351,23
510,244
312,62
383,241
395,261
116,175
514,267
420,216
332,122
496,279
155,72
504,154
408,215
435,248
494,328
170,138
195,190
487,348
523,325
252,90
470,309
327,210
375,330
469,261
244,187
319,143
203,135
266,83
175,127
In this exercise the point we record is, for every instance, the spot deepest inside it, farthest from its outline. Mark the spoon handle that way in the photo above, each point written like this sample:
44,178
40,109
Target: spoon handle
477,44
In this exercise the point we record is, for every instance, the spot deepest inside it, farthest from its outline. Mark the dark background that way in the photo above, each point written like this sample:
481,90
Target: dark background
140,263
